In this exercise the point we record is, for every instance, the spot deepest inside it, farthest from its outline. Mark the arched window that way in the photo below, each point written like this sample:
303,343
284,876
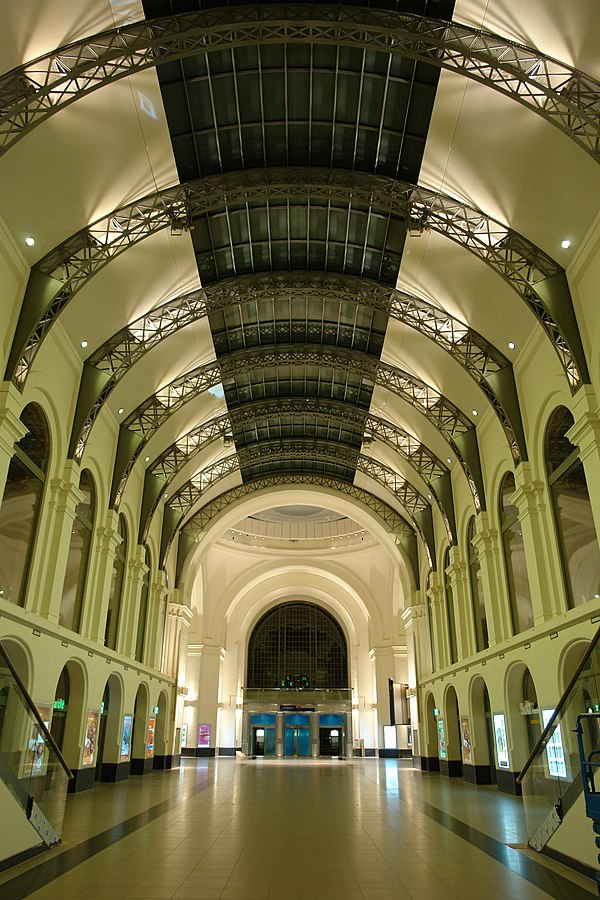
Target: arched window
430,625
450,613
78,557
297,646
514,558
21,504
578,542
477,597
115,594
143,611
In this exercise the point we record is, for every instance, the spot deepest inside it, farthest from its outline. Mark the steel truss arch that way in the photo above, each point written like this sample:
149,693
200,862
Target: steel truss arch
174,458
566,97
401,489
476,355
397,527
156,410
538,279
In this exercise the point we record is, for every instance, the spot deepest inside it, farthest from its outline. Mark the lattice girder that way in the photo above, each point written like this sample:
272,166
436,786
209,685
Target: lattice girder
565,97
473,352
518,261
156,410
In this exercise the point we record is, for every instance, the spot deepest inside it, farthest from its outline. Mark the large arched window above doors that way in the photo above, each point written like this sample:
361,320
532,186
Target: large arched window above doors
577,539
297,646
117,583
514,558
79,554
21,504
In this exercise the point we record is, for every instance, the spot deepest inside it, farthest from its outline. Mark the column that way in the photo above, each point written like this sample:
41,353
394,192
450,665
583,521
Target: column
438,624
348,736
541,551
48,572
466,642
585,434
497,605
208,688
279,734
156,619
179,618
315,744
130,605
95,600
11,427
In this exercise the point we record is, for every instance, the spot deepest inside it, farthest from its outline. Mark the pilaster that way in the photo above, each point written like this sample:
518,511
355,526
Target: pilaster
157,608
439,625
541,551
585,434
48,572
132,592
497,606
11,427
95,601
466,643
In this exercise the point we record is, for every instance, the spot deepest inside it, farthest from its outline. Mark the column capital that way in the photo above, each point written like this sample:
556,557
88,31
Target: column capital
585,432
11,427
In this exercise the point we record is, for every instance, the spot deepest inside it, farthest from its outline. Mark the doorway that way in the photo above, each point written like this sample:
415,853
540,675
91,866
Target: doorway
263,741
330,742
297,740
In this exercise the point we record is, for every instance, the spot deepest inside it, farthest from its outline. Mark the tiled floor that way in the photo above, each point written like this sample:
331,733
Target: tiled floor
240,830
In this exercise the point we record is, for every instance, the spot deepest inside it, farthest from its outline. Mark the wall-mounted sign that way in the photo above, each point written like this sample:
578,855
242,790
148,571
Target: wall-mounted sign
91,738
126,738
204,735
442,738
59,705
156,710
150,741
184,734
465,736
555,754
501,741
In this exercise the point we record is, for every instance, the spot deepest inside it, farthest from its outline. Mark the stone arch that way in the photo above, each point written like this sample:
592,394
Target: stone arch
110,730
139,741
430,760
482,769
71,731
452,765
161,735
522,729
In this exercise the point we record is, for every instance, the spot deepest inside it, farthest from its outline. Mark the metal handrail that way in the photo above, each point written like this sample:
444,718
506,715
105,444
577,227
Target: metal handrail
548,730
33,709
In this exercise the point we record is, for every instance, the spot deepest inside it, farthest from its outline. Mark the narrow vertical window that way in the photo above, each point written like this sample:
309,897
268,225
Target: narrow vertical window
514,558
21,505
115,595
78,556
477,596
577,539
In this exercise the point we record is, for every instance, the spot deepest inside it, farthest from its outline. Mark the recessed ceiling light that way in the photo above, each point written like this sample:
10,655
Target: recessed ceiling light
511,345
121,410
30,241
429,496
565,244
84,344
147,459
474,411
448,460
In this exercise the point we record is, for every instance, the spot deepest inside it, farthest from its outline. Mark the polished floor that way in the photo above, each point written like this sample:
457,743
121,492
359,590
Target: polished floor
281,830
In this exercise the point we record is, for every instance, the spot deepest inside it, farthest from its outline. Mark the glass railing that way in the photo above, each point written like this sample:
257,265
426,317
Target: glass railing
31,765
551,778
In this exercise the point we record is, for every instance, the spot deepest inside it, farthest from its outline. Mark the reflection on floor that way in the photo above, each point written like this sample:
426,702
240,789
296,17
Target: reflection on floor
243,829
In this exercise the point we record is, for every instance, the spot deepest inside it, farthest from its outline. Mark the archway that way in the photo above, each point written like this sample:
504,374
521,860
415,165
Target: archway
452,764
67,723
481,769
430,760
141,756
512,754
109,733
162,759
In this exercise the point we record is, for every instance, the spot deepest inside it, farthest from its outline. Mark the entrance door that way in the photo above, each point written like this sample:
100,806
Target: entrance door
297,740
330,741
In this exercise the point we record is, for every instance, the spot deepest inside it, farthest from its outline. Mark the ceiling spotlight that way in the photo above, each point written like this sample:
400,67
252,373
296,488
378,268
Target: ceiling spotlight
429,496
121,410
474,411
84,344
165,496
30,241
448,460
565,244
147,459
511,345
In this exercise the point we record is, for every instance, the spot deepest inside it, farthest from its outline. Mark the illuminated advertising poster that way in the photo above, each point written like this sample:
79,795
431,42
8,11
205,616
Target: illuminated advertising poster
442,738
126,738
91,738
555,754
150,742
184,734
465,736
204,735
35,758
501,740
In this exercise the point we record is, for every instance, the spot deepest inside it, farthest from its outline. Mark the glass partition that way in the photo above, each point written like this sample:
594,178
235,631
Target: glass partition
551,778
31,765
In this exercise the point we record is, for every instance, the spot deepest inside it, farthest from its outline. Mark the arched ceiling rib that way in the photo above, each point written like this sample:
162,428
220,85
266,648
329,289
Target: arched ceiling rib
535,276
567,98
